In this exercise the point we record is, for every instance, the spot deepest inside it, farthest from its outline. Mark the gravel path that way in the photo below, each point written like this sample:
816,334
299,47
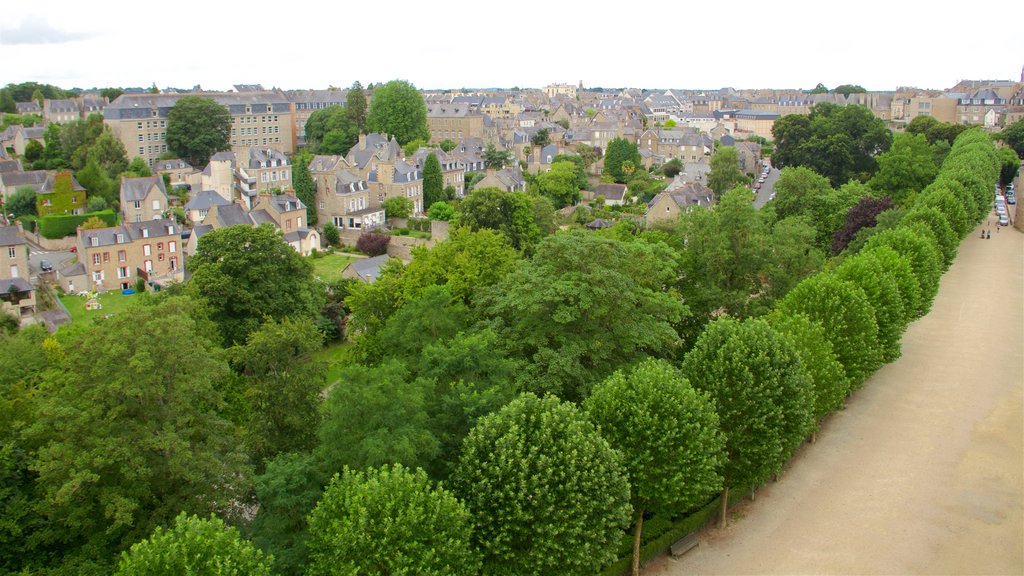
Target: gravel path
922,473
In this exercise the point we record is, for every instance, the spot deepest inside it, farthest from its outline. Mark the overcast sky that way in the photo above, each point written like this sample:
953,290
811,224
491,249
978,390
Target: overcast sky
528,43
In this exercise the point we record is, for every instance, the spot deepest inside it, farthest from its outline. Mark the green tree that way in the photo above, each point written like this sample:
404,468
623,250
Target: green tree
433,181
548,494
669,438
376,416
905,169
581,167
932,222
511,213
33,151
305,188
883,294
138,168
21,202
129,429
198,127
847,89
97,183
108,151
761,392
578,285
1013,136
283,386
447,145
828,379
111,94
331,234
195,546
441,211
287,491
398,207
619,152
355,106
725,171
560,184
38,96
541,137
398,108
924,258
800,191
427,530
496,158
674,166
248,275
7,103
845,312
1009,165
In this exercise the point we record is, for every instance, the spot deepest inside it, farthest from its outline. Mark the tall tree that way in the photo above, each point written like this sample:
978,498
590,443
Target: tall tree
669,438
426,531
433,181
496,158
398,108
828,379
198,127
1013,136
305,188
248,275
621,151
547,492
904,169
923,255
130,431
560,184
108,151
355,106
283,388
883,294
725,171
541,137
761,392
195,546
510,213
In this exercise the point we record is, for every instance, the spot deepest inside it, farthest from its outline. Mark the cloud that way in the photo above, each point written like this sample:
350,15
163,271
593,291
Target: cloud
35,30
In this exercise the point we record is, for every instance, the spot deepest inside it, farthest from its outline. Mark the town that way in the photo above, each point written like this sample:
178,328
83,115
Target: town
557,330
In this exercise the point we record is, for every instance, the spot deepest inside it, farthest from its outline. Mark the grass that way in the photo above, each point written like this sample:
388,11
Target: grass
113,303
330,266
337,357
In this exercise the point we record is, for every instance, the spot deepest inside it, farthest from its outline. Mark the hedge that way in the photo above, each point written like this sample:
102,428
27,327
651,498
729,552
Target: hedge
61,225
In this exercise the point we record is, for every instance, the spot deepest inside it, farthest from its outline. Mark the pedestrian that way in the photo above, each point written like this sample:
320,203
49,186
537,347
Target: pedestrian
982,234
988,235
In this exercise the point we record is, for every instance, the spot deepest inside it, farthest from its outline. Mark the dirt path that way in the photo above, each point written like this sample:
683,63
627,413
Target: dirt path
922,472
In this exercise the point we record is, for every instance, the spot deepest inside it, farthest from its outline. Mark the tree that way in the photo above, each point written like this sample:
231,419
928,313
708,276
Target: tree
441,211
848,318
547,311
1008,167
305,188
560,184
33,151
398,108
619,152
249,275
761,392
398,207
1013,136
331,235
496,158
863,215
905,169
725,171
819,89
129,429
427,530
197,127
331,131
511,213
283,387
108,151
791,255
22,202
847,89
588,153
541,138
433,181
111,94
883,294
373,244
38,96
922,254
376,416
97,183
932,222
548,494
669,438
424,319
411,147
195,545
138,168
581,167
287,492
828,379
800,191
355,106
674,166
7,103
447,145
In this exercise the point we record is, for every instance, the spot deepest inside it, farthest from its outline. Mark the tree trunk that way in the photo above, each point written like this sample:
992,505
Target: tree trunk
636,542
814,437
723,519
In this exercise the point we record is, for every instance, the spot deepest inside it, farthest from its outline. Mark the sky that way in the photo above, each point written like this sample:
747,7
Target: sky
880,45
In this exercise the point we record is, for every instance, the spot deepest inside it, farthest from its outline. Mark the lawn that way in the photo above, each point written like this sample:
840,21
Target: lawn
336,356
113,303
329,267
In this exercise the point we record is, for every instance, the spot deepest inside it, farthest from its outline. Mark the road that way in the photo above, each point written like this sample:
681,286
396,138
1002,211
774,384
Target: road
767,189
923,471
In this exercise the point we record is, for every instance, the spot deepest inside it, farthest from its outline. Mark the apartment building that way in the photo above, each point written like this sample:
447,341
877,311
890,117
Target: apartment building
115,258
283,211
17,295
271,170
259,119
455,121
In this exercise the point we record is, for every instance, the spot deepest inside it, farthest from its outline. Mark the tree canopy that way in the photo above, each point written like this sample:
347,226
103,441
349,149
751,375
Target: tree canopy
398,108
433,182
725,171
198,127
621,159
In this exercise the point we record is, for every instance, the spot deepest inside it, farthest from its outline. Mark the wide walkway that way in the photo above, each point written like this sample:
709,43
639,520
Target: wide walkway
922,472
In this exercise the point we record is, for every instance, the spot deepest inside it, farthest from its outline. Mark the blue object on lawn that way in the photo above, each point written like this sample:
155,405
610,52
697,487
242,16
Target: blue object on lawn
127,291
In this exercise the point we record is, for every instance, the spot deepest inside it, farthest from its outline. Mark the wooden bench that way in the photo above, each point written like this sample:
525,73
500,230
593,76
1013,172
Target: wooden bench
684,545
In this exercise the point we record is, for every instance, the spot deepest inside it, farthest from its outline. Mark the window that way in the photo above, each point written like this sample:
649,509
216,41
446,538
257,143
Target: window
94,241
323,206
172,247
140,137
156,205
173,265
149,265
97,277
147,250
159,245
145,232
106,257
96,259
160,257
122,255
12,252
122,272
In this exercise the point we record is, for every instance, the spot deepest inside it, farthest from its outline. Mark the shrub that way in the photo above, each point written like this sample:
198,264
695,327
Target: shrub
373,244
331,235
60,225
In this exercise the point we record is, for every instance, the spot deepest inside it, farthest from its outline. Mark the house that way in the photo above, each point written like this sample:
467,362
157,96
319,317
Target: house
115,258
365,269
60,193
30,107
345,201
60,111
23,135
667,206
8,165
11,181
143,198
284,212
17,295
271,170
199,205
453,173
181,173
508,179
614,194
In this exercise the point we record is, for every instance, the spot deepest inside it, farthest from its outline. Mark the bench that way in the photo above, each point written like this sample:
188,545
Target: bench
684,545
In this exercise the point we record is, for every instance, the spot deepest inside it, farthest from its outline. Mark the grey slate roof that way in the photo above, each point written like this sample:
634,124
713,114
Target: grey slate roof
324,163
10,165
261,216
131,231
232,215
611,191
136,189
198,231
287,203
9,236
8,285
34,178
267,156
368,269
205,199
47,186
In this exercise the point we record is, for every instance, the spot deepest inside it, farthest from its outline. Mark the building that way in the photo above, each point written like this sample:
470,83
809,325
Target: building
199,206
259,119
115,258
60,193
11,181
143,198
563,90
271,170
454,121
17,295
668,205
308,101
284,212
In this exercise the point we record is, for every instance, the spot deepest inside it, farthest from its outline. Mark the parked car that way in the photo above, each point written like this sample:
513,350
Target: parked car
45,266
1004,220
1011,198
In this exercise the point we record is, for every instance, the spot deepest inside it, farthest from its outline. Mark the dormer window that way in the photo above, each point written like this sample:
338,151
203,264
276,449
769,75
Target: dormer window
145,232
120,238
94,241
